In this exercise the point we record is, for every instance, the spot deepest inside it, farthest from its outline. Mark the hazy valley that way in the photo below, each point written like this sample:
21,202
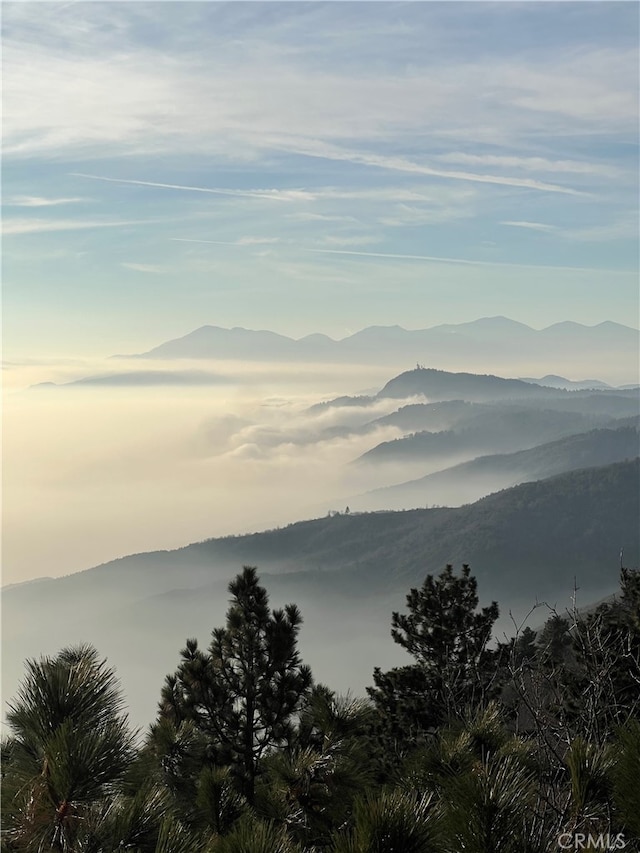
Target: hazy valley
321,378
236,452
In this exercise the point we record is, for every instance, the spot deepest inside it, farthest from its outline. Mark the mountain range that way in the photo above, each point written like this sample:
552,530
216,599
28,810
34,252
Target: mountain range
469,481
218,342
487,341
566,461
553,381
503,428
488,344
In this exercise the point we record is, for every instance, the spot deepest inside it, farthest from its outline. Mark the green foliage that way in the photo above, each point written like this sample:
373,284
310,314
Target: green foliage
248,757
606,663
243,693
256,836
488,808
389,822
442,625
484,783
589,768
624,775
525,648
174,837
69,748
311,787
131,821
630,599
449,640
555,640
219,803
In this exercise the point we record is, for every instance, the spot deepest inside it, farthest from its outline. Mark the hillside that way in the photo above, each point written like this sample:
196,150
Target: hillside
616,402
553,381
574,522
490,429
469,481
347,572
438,385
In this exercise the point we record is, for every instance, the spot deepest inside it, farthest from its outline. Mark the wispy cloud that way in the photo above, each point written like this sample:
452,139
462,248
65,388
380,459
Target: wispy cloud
195,240
447,260
155,269
531,164
531,226
621,229
40,201
256,241
35,226
329,240
306,216
405,214
341,242
241,242
425,192
61,95
350,240
316,148
440,195
269,194
423,130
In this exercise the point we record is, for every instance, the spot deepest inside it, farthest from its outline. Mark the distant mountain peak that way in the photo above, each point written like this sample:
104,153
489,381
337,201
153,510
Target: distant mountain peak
380,331
435,385
316,336
483,344
498,320
609,324
565,324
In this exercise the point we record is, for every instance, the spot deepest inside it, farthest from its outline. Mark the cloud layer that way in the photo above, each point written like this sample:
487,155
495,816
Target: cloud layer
180,133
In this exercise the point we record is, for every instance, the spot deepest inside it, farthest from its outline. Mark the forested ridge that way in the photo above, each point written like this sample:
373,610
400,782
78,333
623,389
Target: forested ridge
524,745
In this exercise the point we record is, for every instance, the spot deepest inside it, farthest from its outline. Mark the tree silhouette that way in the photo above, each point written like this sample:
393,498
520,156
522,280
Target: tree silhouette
244,691
448,638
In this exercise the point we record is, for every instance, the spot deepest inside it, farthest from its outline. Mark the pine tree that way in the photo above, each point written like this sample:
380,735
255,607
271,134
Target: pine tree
448,638
68,750
525,650
244,692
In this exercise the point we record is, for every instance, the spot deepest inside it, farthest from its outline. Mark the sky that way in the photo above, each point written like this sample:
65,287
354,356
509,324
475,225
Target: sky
308,167
300,167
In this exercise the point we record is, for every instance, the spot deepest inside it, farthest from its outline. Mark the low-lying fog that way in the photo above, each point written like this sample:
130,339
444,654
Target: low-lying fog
92,472
177,452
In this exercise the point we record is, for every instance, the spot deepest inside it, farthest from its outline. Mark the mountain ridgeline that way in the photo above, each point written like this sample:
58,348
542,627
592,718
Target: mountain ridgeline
217,342
468,481
507,429
528,538
547,497
529,543
438,385
490,340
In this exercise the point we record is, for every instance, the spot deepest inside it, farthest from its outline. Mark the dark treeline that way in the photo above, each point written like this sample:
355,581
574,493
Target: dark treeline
524,746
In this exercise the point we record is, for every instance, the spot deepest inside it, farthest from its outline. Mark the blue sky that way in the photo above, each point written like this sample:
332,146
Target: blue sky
314,167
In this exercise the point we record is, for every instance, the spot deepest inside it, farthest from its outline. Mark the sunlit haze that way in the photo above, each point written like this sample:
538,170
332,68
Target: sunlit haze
295,167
